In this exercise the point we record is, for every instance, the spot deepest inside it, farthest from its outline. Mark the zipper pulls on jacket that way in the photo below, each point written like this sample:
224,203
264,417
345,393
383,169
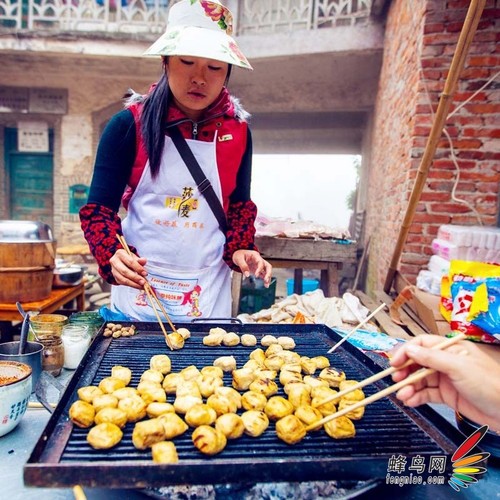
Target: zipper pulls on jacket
195,130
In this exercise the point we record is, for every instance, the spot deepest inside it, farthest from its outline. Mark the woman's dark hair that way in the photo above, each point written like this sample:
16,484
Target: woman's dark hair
154,117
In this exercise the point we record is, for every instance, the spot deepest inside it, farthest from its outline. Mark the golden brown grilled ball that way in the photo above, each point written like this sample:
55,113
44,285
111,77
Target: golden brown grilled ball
164,452
324,408
125,392
208,440
231,425
265,386
286,342
171,381
242,378
88,393
273,349
134,407
321,392
200,414
208,384
110,384
112,416
226,363
274,362
255,422
356,395
292,367
278,407
191,372
253,365
155,409
186,334
222,404
248,340
332,376
314,381
308,415
258,355
213,340
151,391
173,425
252,400
267,340
231,339
212,371
290,357
290,429
287,377
152,376
298,394
265,373
321,362
188,388
104,401
147,433
231,394
182,404
356,414
122,372
340,428
308,365
104,436
176,341
82,414
217,330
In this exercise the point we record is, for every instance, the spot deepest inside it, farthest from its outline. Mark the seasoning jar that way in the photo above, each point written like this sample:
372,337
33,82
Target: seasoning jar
53,353
76,340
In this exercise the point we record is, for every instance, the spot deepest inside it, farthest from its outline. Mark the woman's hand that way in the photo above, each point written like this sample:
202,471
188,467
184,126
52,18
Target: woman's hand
466,379
251,262
128,269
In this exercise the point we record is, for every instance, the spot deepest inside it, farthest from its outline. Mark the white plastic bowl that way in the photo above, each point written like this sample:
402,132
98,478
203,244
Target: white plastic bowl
15,390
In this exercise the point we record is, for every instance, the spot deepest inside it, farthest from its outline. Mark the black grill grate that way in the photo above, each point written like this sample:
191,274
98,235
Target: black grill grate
386,428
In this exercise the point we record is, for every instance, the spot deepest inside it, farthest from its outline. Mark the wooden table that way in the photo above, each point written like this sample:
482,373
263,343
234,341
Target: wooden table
299,254
58,298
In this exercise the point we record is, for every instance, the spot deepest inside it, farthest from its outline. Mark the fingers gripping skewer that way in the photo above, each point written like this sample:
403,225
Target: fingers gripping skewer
153,299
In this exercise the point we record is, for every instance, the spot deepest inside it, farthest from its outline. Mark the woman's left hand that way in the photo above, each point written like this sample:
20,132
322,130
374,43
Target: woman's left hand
251,262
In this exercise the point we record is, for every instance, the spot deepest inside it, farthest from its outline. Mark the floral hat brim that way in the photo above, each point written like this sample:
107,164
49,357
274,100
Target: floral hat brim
199,28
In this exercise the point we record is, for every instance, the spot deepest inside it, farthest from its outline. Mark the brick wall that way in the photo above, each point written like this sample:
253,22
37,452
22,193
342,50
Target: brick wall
420,42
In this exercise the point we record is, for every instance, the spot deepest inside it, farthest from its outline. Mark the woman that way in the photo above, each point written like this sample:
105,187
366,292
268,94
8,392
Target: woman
170,227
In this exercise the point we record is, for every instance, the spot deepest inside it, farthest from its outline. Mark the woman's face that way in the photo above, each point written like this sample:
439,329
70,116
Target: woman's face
195,82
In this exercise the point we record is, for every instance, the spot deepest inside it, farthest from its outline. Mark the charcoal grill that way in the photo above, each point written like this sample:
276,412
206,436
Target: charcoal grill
62,457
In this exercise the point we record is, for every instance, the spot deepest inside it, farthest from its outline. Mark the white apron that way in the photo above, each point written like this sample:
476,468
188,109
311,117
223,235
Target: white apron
171,224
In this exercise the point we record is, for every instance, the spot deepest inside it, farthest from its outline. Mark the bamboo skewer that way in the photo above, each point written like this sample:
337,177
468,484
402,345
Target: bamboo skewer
153,299
368,318
415,377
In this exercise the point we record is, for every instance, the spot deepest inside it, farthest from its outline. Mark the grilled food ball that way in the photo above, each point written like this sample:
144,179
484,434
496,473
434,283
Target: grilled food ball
356,414
125,392
213,340
188,388
161,363
356,395
274,362
278,407
151,391
82,414
321,362
315,382
290,429
226,363
248,340
231,339
308,415
104,436
186,334
212,371
286,343
112,416
182,404
155,409
147,433
217,330
200,414
324,408
208,440
171,381
88,393
176,340
104,401
208,384
191,372
258,355
308,365
252,400
273,349
270,374
255,422
122,372
265,386
134,407
173,425
231,425
222,404
332,376
340,428
298,394
287,377
231,394
290,357
164,452
110,384
152,376
267,340
242,378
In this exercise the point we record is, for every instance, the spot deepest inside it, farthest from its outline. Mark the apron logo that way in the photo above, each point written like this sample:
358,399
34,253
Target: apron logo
184,204
226,137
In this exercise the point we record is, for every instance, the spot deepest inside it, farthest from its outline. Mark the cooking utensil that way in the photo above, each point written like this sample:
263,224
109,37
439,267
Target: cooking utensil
24,334
387,428
22,312
32,356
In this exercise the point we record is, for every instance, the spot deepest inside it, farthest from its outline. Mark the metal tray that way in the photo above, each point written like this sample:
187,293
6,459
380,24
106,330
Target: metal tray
62,456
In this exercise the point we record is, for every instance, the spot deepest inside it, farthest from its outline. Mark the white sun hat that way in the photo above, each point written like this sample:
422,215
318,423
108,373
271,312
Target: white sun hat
199,28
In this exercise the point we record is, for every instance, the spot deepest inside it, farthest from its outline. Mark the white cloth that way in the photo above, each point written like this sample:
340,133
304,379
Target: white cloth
170,223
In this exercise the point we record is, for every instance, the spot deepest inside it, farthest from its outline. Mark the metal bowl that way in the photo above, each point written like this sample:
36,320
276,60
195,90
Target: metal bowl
23,231
68,276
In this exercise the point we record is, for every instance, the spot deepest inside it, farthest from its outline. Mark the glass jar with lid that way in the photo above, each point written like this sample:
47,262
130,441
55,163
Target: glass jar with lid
76,340
53,353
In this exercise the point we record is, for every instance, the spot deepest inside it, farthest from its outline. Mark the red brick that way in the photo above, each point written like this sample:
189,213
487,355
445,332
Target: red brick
475,72
433,28
480,177
481,132
449,208
416,228
435,196
432,218
492,61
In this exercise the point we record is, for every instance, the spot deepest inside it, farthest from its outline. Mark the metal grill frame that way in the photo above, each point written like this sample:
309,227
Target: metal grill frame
47,466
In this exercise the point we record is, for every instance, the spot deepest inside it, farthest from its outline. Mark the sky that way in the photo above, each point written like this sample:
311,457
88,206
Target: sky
304,187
